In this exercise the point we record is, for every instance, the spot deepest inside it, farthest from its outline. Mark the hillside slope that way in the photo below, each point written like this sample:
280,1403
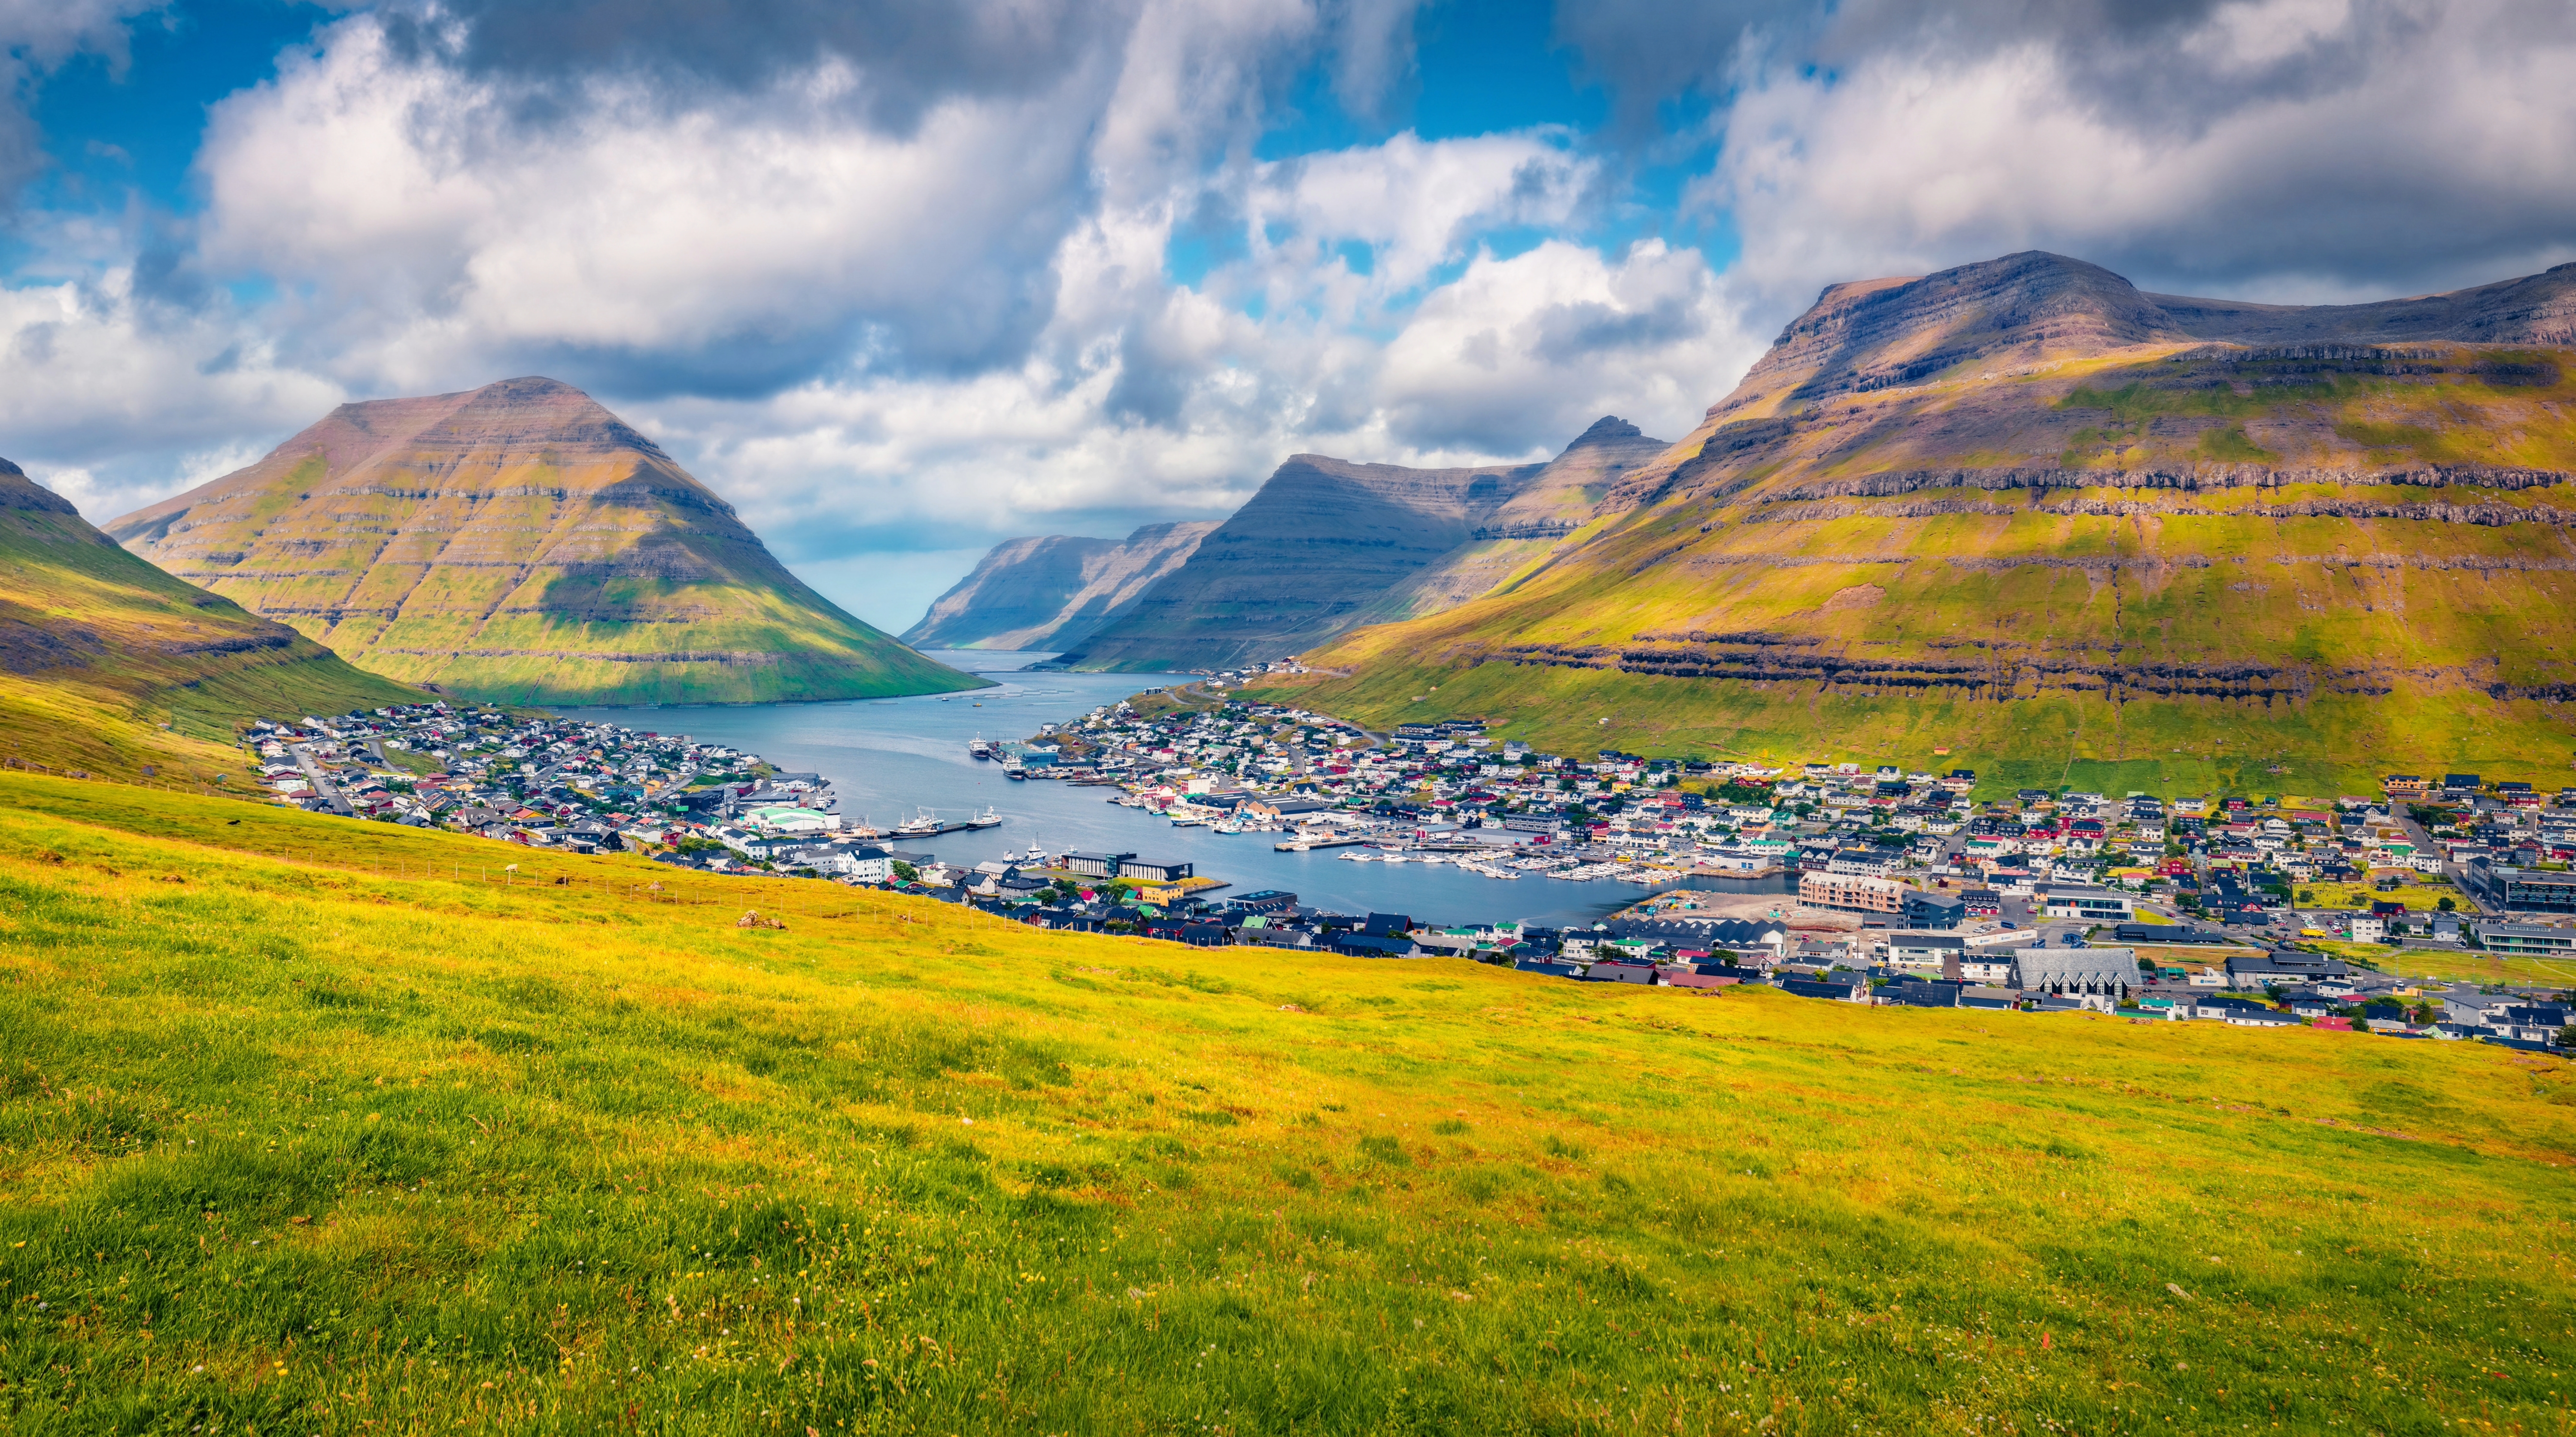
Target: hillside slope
2024,513
519,542
319,1127
107,664
1054,592
1326,544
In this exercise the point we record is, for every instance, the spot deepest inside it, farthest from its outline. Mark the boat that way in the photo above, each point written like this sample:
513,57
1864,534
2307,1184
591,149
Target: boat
980,748
923,825
987,819
1016,774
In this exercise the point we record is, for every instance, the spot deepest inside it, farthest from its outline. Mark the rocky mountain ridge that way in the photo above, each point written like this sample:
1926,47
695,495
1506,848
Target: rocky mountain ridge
1327,544
1053,593
519,542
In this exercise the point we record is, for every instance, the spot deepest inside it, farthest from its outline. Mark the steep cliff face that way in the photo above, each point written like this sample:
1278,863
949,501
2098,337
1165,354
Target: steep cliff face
519,542
99,650
2022,508
1326,544
1054,592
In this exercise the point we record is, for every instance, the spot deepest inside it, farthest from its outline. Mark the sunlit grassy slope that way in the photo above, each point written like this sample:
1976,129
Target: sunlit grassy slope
2056,577
310,1128
99,651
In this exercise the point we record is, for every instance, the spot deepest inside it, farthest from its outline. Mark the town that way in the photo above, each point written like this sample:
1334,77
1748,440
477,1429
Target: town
1886,886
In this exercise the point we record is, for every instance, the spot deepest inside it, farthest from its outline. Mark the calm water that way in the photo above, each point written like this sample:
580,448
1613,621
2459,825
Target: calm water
887,757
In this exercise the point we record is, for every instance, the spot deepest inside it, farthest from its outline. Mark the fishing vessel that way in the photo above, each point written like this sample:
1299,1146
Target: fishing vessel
987,819
925,824
980,748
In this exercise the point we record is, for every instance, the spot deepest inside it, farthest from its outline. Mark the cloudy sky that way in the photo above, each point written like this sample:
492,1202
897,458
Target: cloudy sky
901,279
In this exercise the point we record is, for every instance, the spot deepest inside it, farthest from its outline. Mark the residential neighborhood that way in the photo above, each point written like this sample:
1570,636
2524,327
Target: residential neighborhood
1887,886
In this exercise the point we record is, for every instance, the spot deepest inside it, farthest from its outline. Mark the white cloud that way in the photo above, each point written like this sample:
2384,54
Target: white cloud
119,403
2294,149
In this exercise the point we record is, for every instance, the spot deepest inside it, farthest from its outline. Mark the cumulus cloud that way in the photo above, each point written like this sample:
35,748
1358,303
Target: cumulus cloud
2284,149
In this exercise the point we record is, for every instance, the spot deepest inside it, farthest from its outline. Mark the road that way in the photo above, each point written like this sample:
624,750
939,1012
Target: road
323,788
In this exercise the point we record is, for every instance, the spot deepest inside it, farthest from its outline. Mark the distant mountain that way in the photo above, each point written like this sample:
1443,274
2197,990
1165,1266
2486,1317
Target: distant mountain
519,542
2024,513
108,664
1055,592
1326,544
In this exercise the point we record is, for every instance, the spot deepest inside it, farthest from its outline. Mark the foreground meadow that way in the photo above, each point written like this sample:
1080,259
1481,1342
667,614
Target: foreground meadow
309,1128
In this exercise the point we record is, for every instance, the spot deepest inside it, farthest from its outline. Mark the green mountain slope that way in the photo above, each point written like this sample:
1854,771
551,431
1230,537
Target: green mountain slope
519,543
321,1127
108,664
2024,513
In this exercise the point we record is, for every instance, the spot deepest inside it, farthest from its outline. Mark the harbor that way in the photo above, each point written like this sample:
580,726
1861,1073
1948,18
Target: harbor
893,757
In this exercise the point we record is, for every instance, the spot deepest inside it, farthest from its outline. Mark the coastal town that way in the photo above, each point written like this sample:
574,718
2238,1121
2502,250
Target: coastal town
1869,883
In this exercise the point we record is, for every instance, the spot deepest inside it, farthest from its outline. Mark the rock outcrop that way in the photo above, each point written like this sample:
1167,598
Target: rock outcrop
519,542
1053,593
1327,544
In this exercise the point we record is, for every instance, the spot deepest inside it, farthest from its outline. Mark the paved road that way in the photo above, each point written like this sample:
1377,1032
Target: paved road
323,788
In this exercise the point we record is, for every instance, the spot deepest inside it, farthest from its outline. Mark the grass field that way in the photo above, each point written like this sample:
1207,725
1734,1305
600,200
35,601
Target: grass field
317,1127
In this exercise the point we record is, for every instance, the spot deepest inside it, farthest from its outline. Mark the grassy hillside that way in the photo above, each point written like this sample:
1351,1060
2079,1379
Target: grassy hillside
2180,567
521,544
109,665
311,1128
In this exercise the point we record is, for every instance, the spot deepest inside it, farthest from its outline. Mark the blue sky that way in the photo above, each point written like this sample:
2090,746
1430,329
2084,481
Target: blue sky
906,279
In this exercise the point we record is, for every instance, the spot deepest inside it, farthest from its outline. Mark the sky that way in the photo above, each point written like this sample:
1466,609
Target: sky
904,279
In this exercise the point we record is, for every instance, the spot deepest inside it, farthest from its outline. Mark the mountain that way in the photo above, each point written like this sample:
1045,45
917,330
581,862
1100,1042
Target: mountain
1052,593
107,664
2024,513
1326,544
519,542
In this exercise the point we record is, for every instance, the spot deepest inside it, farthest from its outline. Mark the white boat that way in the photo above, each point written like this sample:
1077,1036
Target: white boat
925,824
979,748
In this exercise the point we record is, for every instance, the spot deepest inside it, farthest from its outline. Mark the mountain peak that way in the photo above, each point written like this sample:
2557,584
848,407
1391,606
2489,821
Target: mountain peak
1608,429
518,541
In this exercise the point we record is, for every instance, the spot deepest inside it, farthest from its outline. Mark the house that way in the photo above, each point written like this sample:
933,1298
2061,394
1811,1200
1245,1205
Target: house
2527,938
1096,865
1363,945
1267,900
1977,965
1387,925
1939,952
1146,871
1981,902
2368,928
2077,972
2404,786
1921,993
1851,892
867,863
2461,785
1933,910
2283,969
1843,988
2094,905
2261,1018
2523,890
1621,970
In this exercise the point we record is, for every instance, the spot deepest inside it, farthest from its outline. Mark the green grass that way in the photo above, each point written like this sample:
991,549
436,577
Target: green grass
157,673
312,1129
